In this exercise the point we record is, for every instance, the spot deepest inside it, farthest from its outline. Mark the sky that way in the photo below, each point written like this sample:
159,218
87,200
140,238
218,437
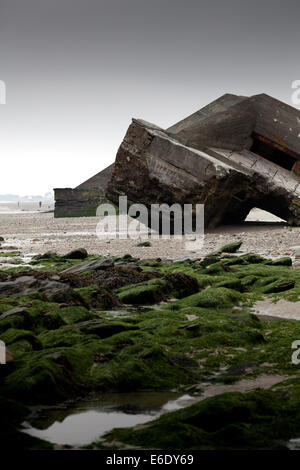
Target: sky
77,71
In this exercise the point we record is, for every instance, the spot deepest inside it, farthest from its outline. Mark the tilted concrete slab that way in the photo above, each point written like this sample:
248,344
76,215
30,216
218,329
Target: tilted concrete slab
152,167
234,154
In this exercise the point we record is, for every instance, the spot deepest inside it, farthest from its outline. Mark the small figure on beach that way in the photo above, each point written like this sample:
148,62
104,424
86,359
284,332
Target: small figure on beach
40,204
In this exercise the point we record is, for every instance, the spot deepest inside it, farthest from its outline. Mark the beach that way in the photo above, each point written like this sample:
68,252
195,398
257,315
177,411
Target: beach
37,232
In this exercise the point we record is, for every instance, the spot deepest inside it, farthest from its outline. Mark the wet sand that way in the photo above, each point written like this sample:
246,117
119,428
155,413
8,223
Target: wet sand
39,232
281,309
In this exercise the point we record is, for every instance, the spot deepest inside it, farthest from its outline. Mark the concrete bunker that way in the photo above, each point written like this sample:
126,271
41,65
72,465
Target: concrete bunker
234,154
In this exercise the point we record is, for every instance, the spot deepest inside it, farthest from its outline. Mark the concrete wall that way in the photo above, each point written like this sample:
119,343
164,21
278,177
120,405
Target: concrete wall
77,202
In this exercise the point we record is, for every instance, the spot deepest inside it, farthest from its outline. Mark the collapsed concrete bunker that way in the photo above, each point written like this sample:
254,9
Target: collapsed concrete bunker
234,154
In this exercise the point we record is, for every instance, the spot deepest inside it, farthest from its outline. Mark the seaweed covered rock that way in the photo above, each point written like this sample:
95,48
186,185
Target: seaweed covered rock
94,297
228,421
182,284
79,253
150,292
231,247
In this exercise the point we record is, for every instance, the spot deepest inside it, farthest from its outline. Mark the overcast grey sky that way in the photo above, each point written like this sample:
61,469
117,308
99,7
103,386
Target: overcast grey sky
77,71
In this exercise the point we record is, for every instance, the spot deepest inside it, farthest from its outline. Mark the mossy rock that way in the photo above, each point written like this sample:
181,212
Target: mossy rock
12,335
13,321
94,297
252,258
49,256
234,260
265,281
62,337
80,253
181,284
144,244
286,261
214,269
208,260
102,329
74,314
149,369
38,380
147,293
233,283
231,247
279,286
248,281
212,298
19,348
218,297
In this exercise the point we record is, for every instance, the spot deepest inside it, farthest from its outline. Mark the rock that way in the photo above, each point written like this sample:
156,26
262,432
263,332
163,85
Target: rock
101,329
231,248
145,244
150,292
14,311
279,286
89,266
252,258
92,296
242,369
17,285
125,265
24,285
182,284
54,291
2,239
10,260
234,284
79,253
48,256
208,260
287,261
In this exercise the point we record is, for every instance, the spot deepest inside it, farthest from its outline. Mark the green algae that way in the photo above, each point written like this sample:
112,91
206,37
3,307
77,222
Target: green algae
208,335
9,254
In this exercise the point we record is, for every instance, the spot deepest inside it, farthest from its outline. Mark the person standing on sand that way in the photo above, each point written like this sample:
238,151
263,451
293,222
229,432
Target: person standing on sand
40,204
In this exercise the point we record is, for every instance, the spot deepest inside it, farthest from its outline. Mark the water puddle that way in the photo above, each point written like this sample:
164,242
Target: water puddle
84,422
293,444
81,423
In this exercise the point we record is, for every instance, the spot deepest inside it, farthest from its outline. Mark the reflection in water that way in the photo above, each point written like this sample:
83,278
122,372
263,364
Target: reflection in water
88,421
293,444
84,428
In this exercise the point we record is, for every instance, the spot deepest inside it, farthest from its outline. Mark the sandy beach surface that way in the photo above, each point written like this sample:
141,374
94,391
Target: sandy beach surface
33,232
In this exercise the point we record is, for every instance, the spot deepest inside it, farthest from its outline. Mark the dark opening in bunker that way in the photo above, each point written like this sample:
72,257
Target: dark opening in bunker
273,152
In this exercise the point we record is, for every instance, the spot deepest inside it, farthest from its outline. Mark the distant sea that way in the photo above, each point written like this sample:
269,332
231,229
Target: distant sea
13,207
